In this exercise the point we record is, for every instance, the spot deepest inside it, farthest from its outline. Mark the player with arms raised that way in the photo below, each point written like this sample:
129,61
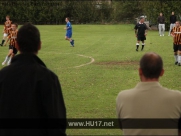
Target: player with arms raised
69,31
6,31
176,34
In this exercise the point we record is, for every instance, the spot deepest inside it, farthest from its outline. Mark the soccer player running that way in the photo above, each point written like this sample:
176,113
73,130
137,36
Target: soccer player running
7,27
12,47
69,32
176,34
140,32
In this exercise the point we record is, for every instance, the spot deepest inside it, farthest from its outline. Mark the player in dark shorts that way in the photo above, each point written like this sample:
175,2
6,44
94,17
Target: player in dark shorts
140,32
176,34
12,47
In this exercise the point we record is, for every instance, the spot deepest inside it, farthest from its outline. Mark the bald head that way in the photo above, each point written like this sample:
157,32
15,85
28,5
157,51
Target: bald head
151,65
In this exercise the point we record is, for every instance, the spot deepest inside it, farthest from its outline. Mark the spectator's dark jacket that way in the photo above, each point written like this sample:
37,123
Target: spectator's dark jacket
173,19
28,90
161,20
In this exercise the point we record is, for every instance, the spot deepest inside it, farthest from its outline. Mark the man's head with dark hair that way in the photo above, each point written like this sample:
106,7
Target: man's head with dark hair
67,19
14,26
28,39
151,67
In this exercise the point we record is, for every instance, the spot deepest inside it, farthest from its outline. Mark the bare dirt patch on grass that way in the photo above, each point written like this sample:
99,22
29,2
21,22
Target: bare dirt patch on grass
117,63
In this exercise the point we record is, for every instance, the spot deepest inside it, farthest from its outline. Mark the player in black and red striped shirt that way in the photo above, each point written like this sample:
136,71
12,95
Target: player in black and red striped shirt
6,31
176,34
12,45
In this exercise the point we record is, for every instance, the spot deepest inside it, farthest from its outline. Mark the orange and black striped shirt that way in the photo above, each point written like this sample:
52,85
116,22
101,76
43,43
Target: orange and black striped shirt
7,25
176,31
12,36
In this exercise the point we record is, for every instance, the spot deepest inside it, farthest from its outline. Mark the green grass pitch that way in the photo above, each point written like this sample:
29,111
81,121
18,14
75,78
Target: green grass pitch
90,90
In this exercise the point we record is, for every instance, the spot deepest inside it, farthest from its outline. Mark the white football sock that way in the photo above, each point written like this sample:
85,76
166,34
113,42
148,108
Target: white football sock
176,58
179,59
9,61
6,59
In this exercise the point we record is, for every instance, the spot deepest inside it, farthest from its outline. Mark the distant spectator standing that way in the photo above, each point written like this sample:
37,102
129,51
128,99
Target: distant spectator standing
161,24
149,100
173,19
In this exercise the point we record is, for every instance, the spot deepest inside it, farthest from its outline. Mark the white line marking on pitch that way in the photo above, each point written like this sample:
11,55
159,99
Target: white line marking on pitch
92,60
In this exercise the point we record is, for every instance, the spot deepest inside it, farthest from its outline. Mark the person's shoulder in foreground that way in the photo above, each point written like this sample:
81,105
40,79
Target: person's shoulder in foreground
148,99
151,69
30,90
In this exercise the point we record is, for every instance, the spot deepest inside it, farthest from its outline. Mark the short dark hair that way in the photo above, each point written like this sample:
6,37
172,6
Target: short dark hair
28,38
151,65
68,18
14,24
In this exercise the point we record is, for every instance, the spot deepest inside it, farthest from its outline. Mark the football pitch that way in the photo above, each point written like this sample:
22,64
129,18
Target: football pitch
102,63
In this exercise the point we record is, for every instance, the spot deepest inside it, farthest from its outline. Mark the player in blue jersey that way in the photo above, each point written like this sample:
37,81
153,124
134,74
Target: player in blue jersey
69,32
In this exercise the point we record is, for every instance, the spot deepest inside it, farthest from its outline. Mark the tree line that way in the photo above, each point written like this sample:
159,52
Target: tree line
86,11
